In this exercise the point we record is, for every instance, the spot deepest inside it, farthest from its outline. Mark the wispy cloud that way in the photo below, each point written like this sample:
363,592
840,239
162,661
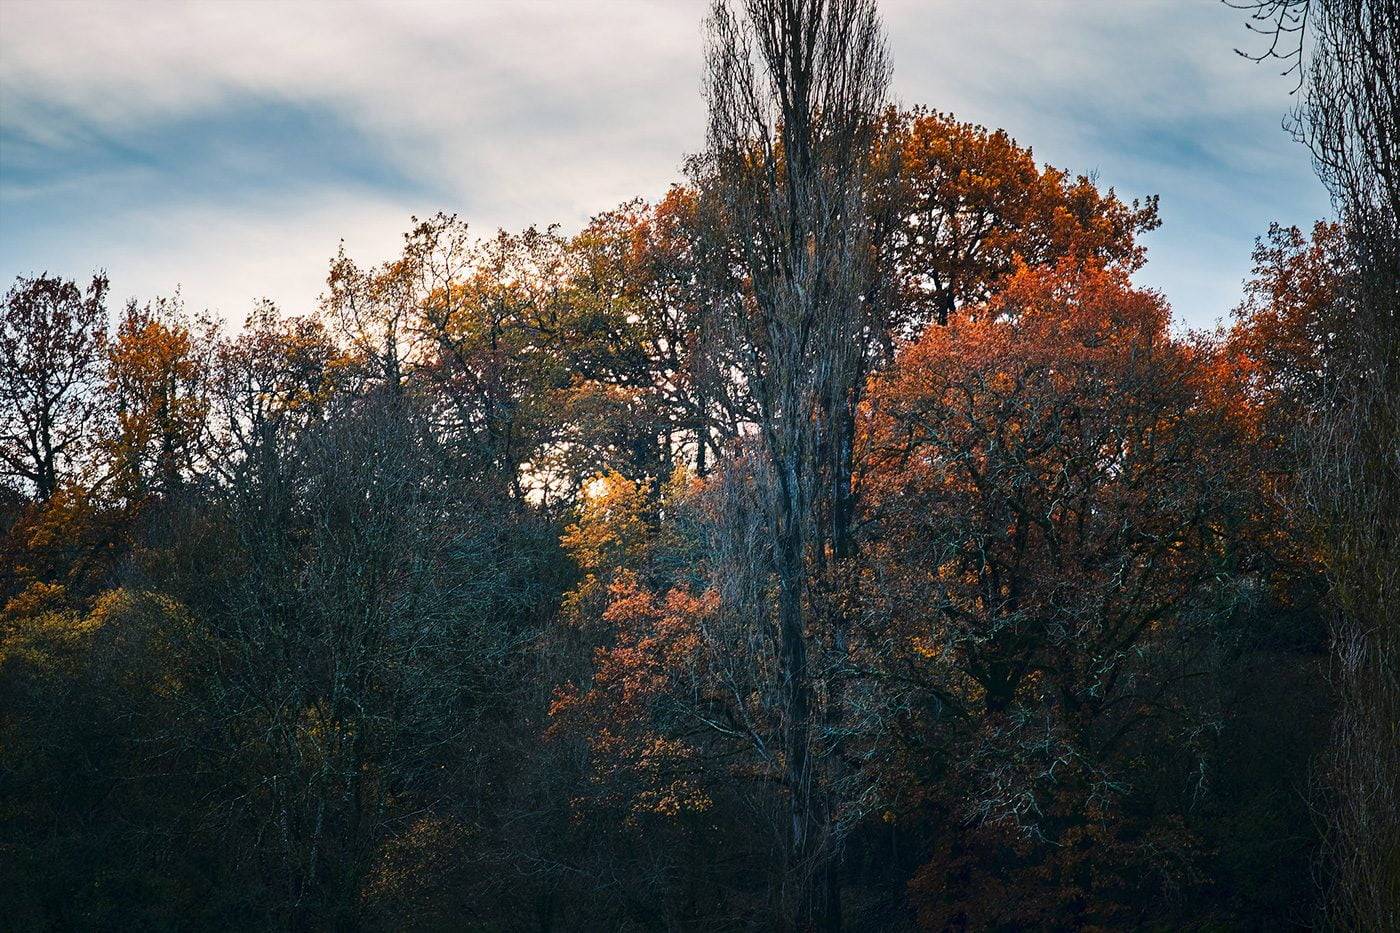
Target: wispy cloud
230,145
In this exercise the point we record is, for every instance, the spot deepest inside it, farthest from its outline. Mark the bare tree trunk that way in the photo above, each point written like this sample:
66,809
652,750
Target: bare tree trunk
797,690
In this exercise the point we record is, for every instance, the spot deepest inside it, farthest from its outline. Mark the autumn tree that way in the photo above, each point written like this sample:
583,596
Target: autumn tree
1279,331
971,204
472,325
642,334
52,341
1054,458
663,773
157,384
1279,354
269,381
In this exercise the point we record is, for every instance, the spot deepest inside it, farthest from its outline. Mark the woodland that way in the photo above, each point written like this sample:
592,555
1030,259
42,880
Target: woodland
840,541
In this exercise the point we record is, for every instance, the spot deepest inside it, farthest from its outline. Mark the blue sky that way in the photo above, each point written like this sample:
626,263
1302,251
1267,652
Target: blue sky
227,147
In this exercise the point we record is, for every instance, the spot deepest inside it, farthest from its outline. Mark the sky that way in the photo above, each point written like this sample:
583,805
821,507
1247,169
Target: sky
227,147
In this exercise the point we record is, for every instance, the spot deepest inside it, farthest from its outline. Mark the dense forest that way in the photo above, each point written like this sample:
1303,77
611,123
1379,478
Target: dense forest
841,541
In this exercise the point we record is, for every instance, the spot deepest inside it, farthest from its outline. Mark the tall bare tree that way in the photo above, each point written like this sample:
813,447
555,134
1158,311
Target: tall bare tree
1346,54
1350,118
795,88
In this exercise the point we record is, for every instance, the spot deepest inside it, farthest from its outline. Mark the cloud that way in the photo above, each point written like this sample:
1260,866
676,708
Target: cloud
159,139
500,105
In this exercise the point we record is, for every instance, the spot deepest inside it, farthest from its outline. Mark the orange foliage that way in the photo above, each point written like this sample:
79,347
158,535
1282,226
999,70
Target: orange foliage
612,532
1053,454
1051,484
1277,341
972,205
157,377
636,766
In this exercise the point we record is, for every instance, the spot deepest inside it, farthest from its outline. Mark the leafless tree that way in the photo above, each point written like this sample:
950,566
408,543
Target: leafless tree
1346,54
364,635
795,88
1350,119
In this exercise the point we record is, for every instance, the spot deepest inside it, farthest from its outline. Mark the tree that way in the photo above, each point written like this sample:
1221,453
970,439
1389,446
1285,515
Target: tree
794,89
1346,55
358,637
471,326
157,384
270,382
671,704
1057,462
1279,327
52,340
641,324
